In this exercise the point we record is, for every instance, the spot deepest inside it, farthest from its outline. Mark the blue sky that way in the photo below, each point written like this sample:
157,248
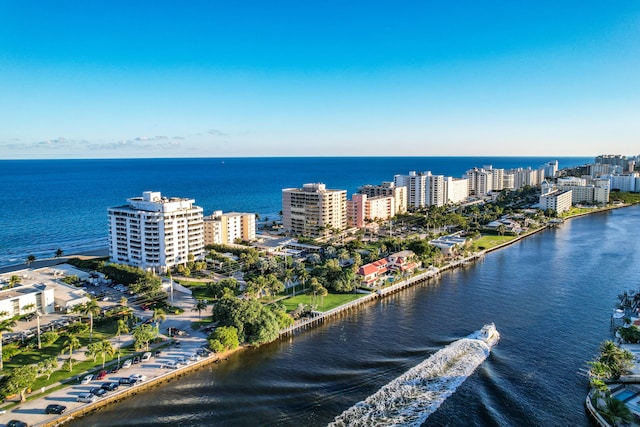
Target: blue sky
84,79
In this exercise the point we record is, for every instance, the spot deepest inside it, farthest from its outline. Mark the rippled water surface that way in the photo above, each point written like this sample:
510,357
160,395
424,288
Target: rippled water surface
550,296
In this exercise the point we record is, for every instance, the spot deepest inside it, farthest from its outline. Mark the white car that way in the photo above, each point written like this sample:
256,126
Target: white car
87,379
194,357
87,398
172,364
126,364
138,377
146,356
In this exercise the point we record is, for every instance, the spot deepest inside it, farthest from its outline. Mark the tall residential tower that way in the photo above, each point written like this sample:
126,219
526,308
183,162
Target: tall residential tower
155,233
312,210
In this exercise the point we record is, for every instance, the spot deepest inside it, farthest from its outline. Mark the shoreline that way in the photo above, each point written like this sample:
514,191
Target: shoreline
422,278
48,262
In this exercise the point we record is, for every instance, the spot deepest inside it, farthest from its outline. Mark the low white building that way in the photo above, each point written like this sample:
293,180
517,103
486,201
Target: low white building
38,297
555,199
448,244
43,288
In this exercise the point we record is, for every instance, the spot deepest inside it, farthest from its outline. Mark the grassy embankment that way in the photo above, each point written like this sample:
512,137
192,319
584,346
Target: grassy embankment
327,303
489,241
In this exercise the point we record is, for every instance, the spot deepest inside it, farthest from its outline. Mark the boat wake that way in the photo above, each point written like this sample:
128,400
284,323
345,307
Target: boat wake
409,399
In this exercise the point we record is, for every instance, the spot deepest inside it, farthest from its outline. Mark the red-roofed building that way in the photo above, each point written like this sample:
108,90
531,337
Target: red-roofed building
371,272
400,261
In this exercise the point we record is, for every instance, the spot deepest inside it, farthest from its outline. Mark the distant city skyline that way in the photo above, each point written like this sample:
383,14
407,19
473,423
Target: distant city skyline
217,79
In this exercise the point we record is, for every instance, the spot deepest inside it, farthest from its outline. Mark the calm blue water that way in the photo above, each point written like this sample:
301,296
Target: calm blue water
51,204
551,297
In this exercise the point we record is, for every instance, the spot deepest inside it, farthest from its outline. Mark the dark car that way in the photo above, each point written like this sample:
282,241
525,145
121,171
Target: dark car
17,423
127,381
110,386
136,360
157,353
55,409
114,369
100,392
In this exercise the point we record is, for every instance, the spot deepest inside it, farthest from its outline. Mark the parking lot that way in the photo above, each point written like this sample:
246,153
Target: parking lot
91,390
173,357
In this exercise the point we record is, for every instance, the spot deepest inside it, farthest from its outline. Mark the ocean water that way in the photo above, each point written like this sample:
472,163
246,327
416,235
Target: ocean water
51,204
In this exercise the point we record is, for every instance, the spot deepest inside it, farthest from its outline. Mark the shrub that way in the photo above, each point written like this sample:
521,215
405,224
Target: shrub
216,345
10,350
77,328
49,338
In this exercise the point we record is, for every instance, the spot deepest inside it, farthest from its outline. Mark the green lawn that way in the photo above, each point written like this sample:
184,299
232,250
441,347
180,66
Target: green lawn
576,211
490,241
324,304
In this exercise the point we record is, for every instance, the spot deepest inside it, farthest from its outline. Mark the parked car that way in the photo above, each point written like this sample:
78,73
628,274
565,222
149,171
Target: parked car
126,364
114,369
110,386
136,360
157,353
98,392
127,381
87,379
139,377
101,375
172,364
86,398
55,409
146,356
17,423
194,357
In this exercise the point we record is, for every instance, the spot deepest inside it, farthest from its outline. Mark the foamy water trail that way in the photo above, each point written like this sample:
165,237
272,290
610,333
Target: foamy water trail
409,399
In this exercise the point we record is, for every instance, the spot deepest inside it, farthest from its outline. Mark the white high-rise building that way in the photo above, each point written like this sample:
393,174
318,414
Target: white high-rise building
480,181
629,182
456,189
423,188
528,176
155,233
551,169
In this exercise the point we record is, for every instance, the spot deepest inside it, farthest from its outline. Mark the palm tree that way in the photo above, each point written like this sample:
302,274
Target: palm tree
30,260
29,308
90,309
14,280
616,411
70,344
323,292
257,286
159,315
6,325
200,305
105,348
124,301
123,328
303,275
